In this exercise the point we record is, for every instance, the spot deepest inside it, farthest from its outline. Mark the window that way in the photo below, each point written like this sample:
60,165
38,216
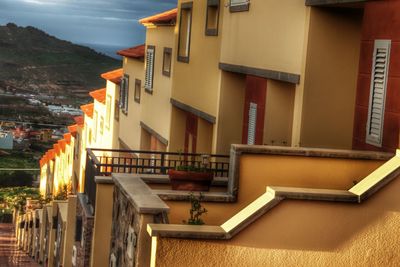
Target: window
251,132
101,125
124,94
138,85
377,95
166,70
95,118
239,5
148,83
116,110
108,111
212,17
184,32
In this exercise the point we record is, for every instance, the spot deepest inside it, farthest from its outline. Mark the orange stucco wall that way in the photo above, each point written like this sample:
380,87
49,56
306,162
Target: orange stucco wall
303,233
259,171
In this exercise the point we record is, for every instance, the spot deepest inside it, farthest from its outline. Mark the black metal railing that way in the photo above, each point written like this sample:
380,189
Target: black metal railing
103,162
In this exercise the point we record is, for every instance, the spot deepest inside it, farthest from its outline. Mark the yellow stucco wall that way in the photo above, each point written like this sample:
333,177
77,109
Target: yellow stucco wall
260,38
278,113
102,225
196,83
258,172
178,124
230,115
156,107
331,78
129,125
204,136
303,233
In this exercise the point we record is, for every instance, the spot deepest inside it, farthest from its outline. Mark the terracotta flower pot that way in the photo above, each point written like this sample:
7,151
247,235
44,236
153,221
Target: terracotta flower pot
190,181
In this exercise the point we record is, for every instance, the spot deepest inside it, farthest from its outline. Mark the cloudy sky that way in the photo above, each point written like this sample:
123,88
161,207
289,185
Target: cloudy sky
107,22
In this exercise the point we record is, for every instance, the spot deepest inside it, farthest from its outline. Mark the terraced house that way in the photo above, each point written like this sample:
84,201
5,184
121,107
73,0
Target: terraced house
295,118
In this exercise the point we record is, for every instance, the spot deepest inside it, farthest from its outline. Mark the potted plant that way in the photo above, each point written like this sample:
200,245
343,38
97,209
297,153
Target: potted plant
190,177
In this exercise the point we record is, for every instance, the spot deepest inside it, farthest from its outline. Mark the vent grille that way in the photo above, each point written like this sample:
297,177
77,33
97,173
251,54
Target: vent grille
378,92
148,84
251,133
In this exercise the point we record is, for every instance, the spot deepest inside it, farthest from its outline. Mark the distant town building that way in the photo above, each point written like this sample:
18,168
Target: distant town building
6,140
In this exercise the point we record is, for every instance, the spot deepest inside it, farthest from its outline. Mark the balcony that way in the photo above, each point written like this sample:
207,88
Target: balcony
103,162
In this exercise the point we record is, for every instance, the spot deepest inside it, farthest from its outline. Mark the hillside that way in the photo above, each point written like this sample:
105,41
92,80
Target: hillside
33,62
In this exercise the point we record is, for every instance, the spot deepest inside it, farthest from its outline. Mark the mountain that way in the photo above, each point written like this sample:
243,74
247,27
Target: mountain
34,62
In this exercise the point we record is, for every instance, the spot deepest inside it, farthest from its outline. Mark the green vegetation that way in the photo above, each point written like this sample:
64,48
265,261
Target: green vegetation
15,197
20,160
196,210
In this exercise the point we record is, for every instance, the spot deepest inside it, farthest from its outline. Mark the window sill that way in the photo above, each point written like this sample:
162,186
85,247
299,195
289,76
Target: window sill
166,73
124,112
211,32
137,100
149,91
183,59
240,8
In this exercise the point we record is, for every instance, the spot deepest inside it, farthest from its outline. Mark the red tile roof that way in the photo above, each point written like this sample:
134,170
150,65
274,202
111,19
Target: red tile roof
57,149
161,18
113,76
43,161
88,109
99,95
80,120
62,144
133,52
51,154
73,128
67,138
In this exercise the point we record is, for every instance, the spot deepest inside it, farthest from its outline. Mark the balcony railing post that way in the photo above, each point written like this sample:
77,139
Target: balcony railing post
163,169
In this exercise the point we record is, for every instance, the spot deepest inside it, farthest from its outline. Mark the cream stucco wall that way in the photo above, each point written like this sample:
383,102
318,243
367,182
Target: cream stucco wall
331,78
303,233
262,38
196,83
204,136
278,113
258,172
178,124
102,225
230,115
129,124
156,107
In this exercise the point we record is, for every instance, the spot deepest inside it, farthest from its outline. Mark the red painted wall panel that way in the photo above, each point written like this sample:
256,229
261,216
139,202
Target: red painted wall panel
381,21
256,92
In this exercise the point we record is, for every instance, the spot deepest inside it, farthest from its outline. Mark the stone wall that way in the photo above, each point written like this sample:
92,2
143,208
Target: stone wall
83,244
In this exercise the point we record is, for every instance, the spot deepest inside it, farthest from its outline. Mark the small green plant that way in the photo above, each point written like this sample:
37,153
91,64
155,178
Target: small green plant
196,210
193,165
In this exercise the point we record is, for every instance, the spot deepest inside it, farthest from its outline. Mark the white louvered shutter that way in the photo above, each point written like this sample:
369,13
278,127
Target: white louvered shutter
149,68
122,94
251,132
126,92
376,109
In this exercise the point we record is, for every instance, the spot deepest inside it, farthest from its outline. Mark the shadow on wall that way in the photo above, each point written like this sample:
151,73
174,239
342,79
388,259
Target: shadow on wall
325,226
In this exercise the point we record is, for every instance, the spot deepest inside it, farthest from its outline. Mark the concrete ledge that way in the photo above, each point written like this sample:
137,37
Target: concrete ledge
312,194
186,231
332,2
103,180
183,195
164,179
311,152
139,194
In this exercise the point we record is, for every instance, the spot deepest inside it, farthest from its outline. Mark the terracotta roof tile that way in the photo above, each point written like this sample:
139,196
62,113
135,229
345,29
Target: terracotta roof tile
80,120
88,109
161,18
67,138
51,154
99,95
113,76
57,149
73,128
133,52
62,144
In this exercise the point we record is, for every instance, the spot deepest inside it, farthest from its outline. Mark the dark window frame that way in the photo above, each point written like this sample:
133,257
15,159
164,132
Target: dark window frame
138,85
212,4
240,8
184,7
167,51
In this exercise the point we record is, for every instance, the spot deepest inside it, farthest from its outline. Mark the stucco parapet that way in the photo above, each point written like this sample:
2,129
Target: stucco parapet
332,2
139,194
186,231
312,194
310,152
103,180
